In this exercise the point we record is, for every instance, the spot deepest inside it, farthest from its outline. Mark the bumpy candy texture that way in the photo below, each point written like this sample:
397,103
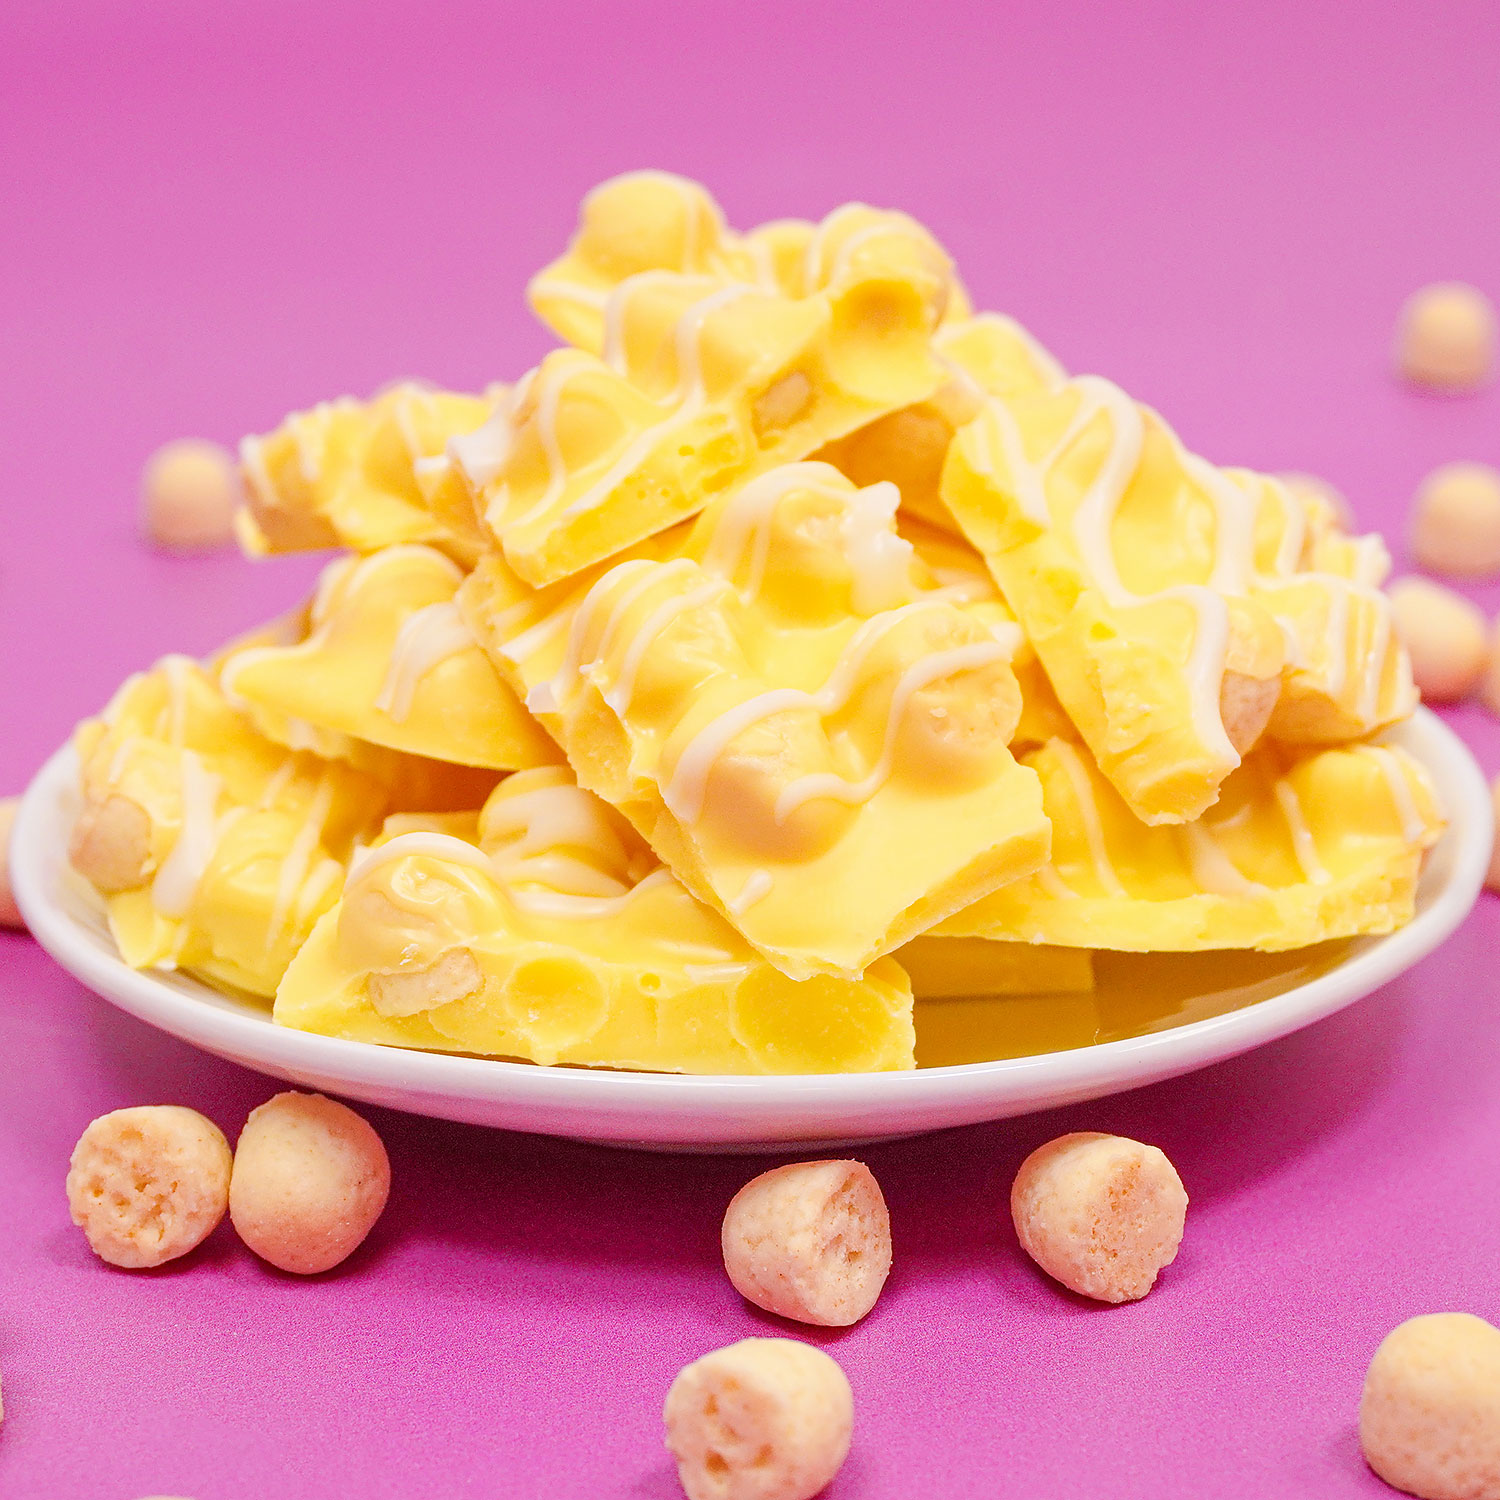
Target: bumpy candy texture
793,640
546,929
763,1419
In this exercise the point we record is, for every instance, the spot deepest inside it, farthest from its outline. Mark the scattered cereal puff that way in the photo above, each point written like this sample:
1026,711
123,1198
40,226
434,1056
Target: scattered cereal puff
189,492
10,913
1492,880
148,1184
810,1241
1099,1213
1445,636
763,1419
1445,339
1456,522
310,1179
1429,1418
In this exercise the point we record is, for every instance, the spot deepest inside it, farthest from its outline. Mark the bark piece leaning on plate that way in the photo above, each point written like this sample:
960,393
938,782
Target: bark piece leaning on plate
1302,847
805,726
544,928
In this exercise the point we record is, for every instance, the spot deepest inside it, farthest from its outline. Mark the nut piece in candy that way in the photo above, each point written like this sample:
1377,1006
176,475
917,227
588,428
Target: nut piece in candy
148,1184
110,845
310,1179
810,1241
1455,524
189,492
10,913
1444,635
1100,1213
1445,339
1429,1417
763,1419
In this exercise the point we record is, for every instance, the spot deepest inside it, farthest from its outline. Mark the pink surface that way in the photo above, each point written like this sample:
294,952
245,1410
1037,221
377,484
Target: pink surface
212,216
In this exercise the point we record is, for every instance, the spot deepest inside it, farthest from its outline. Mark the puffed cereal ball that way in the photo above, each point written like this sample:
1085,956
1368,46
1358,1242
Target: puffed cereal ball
10,913
1456,521
763,1419
810,1241
148,1184
310,1179
1445,338
1429,1417
1444,635
189,492
1099,1213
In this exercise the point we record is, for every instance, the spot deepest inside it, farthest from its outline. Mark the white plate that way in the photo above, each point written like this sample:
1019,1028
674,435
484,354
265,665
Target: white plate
673,1112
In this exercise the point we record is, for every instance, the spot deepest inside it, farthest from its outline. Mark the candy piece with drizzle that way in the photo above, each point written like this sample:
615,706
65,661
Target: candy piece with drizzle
544,928
386,658
215,849
364,475
700,386
1303,846
791,707
1129,562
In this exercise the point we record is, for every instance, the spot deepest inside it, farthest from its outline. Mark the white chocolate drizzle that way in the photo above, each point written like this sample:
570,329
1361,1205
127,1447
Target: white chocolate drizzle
755,889
1304,846
427,636
182,871
1088,817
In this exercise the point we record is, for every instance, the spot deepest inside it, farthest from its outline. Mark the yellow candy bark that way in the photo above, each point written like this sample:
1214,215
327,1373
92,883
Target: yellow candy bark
941,968
1300,849
813,740
387,659
546,931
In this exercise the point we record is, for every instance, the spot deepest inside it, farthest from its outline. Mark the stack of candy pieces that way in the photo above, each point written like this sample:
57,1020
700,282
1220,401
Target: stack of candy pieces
793,624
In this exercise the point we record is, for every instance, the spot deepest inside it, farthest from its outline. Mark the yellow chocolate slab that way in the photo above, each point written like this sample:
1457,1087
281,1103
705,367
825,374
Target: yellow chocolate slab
549,934
238,846
387,659
1302,848
364,475
811,739
701,386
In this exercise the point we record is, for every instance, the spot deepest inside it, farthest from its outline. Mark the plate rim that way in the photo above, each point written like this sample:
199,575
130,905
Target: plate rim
958,1092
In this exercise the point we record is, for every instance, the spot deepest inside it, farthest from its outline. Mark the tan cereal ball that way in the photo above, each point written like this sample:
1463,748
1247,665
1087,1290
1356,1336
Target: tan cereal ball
1455,524
148,1184
763,1419
810,1241
1099,1213
310,1179
189,492
1445,338
10,913
1444,635
1429,1418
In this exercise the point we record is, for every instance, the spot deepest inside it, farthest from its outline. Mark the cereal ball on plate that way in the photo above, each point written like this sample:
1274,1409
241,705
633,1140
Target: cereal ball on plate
189,492
10,913
1429,1418
1445,339
1099,1213
1445,636
310,1179
810,1241
1455,524
764,1419
148,1184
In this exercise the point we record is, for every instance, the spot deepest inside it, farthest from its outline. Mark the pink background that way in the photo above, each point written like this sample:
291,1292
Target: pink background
213,214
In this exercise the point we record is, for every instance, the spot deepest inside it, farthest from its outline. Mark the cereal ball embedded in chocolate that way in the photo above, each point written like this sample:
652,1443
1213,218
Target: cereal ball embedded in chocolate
1445,339
1455,526
148,1184
810,1241
1099,1213
189,493
1444,635
1429,1417
310,1179
764,1419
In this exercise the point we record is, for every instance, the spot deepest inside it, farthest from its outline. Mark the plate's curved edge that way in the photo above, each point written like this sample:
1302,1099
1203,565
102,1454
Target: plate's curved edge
739,1111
